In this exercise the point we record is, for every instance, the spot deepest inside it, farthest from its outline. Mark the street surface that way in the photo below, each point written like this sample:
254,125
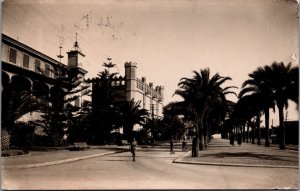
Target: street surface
153,169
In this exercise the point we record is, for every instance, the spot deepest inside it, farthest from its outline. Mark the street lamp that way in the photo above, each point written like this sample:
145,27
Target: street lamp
153,121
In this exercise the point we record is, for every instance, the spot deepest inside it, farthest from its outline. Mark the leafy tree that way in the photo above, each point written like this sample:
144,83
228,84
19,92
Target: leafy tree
78,131
104,110
172,125
152,125
59,116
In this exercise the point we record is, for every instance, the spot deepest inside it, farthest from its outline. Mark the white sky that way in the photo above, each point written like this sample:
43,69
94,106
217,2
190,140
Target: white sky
167,38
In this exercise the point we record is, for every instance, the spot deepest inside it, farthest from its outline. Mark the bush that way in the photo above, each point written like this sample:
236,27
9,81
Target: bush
22,135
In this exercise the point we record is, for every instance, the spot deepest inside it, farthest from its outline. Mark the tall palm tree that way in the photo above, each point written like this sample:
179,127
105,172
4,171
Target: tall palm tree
285,86
131,113
259,87
199,94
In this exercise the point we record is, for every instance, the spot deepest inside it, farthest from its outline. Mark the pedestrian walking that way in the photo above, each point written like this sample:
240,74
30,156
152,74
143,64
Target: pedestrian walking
133,148
239,139
184,144
171,146
194,142
231,139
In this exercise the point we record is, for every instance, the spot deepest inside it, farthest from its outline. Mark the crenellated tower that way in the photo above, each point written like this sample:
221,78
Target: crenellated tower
130,80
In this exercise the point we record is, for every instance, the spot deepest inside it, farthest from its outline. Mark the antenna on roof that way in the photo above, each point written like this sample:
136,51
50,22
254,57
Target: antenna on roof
60,56
76,44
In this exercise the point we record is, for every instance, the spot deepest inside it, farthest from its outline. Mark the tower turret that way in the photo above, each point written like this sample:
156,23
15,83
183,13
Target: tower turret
75,61
130,80
75,56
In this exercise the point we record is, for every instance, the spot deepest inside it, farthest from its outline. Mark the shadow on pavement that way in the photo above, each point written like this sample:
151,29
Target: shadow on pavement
247,155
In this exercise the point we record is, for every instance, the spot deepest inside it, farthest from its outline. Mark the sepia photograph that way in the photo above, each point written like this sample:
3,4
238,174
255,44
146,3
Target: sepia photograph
149,94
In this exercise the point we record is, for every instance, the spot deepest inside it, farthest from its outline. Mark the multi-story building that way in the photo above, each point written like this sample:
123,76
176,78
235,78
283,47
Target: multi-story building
129,86
26,69
151,97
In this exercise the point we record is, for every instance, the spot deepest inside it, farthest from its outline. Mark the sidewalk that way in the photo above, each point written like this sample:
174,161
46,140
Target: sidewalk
220,152
46,158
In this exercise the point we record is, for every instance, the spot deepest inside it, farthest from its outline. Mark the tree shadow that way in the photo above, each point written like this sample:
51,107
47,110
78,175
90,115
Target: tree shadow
116,160
248,155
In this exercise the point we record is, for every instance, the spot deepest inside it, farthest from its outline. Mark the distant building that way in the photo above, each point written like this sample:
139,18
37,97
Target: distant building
151,97
131,87
128,87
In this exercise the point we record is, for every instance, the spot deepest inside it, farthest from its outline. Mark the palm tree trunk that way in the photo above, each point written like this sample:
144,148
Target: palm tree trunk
258,128
253,133
267,138
243,132
247,133
281,128
197,139
201,136
206,136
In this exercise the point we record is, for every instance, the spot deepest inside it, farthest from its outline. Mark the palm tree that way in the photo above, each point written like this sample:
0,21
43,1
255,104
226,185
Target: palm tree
216,117
200,93
153,124
244,110
285,84
131,113
259,87
15,104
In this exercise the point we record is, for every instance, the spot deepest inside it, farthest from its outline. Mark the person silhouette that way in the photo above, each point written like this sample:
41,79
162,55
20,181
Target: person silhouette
171,146
184,144
133,148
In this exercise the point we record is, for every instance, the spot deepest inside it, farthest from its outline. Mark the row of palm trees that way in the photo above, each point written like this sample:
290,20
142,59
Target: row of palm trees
266,87
202,96
205,104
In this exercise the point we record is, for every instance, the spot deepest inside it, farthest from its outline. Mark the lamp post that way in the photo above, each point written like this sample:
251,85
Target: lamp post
153,121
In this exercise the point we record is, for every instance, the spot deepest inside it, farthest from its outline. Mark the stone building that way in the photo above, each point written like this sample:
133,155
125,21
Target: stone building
151,97
130,87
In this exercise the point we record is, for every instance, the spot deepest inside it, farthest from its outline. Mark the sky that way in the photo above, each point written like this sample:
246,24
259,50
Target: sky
168,39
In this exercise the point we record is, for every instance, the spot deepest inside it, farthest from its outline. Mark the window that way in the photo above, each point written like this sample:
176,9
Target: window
25,61
37,64
77,102
47,69
13,55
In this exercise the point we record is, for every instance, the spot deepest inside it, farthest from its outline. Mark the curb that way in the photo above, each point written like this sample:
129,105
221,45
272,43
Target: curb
180,160
42,164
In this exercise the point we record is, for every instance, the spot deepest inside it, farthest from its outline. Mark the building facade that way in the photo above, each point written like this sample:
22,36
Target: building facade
26,69
129,86
151,97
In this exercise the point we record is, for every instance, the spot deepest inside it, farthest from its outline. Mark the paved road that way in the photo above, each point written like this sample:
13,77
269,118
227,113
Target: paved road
152,170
